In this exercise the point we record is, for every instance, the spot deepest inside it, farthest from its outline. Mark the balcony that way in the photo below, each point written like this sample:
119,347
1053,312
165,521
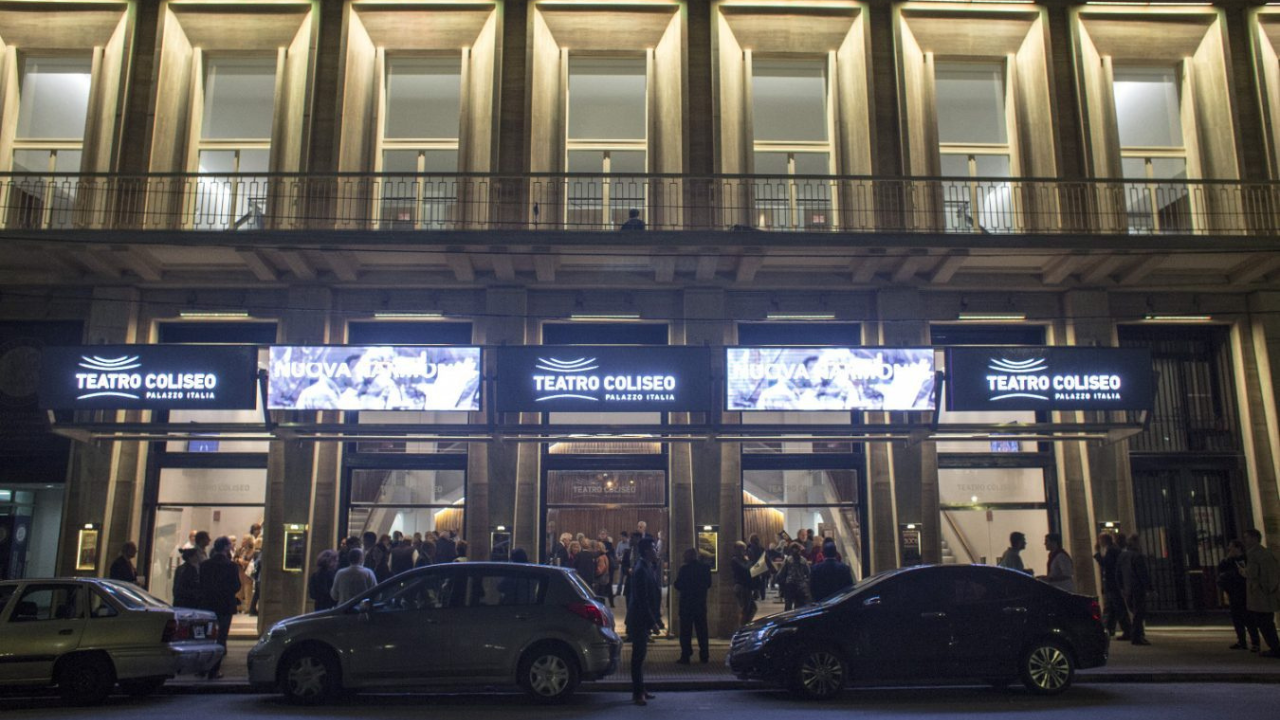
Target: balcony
177,203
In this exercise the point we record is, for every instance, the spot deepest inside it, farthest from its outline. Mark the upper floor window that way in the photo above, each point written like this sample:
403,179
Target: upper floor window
607,125
235,139
973,142
52,107
1149,118
421,114
791,135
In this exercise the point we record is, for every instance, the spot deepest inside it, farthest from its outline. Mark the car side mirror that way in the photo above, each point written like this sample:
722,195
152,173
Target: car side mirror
871,601
365,606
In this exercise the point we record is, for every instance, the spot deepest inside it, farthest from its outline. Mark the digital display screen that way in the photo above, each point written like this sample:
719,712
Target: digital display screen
829,378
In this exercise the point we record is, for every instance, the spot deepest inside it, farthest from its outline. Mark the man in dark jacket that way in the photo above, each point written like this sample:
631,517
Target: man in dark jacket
1135,583
1107,556
692,582
122,569
1231,581
219,583
446,547
402,557
829,576
644,614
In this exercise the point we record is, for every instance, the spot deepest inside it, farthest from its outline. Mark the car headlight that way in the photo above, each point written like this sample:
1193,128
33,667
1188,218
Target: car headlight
766,632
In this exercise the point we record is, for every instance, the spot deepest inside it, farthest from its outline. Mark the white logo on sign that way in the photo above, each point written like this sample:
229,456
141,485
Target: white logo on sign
109,365
1019,367
579,365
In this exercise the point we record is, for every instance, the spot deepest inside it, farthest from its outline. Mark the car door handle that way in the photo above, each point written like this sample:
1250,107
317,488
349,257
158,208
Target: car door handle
68,631
522,617
1014,611
933,615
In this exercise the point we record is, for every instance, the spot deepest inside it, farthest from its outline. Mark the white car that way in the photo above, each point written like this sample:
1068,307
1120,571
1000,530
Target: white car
86,635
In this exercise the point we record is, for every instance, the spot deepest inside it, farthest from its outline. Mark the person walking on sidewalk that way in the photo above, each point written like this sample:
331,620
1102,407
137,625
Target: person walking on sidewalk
1231,581
1262,589
1108,557
692,582
643,614
1135,584
1012,558
219,584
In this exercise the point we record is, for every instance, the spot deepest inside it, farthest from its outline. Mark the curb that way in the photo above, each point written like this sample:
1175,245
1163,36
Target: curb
243,688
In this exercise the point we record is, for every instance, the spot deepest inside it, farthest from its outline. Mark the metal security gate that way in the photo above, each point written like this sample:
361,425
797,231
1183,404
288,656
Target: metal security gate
1185,517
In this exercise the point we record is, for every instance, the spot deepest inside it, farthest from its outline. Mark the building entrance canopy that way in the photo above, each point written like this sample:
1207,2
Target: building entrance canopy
892,394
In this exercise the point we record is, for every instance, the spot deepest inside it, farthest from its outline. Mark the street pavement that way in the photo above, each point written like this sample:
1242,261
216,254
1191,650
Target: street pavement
1176,654
1101,701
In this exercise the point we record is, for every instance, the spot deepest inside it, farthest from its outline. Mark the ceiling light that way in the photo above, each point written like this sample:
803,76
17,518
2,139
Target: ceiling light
992,317
594,317
407,315
800,316
1178,318
205,314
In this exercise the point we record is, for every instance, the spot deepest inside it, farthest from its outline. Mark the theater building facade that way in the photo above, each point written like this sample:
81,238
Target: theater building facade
728,268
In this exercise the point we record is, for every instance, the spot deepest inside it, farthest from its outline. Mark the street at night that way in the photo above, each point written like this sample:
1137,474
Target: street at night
1098,701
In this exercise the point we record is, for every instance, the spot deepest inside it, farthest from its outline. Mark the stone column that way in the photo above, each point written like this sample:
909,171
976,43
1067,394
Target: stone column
914,466
1096,481
292,470
493,469
103,479
1261,361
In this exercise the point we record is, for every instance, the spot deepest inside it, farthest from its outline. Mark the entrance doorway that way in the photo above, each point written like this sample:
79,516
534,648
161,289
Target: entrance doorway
615,503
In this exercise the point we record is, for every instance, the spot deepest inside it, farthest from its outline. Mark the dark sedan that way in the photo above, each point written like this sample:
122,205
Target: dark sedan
942,623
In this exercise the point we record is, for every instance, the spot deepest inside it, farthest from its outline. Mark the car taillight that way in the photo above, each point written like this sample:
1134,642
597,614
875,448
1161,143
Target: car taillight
170,629
587,611
1095,611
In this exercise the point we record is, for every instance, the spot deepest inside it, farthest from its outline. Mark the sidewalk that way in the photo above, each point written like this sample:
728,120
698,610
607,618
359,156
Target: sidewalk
1176,654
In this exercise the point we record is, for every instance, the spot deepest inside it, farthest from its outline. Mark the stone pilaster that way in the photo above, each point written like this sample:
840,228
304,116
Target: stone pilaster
103,479
1260,343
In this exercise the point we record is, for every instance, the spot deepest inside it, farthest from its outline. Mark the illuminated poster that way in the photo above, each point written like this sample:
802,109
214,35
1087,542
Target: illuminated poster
829,378
381,377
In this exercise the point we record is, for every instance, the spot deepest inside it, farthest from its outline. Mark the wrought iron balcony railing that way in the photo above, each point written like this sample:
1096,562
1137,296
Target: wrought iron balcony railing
569,202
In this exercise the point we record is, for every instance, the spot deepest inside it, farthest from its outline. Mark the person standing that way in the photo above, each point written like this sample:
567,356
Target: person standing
794,577
402,557
1012,558
755,551
122,569
219,584
829,576
352,580
606,547
1061,572
643,614
320,584
426,553
186,581
202,541
243,557
1262,589
1135,585
1232,582
1107,555
446,547
558,553
692,582
743,583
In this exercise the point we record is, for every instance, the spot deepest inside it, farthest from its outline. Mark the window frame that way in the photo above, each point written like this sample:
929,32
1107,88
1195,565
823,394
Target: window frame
1149,185
971,151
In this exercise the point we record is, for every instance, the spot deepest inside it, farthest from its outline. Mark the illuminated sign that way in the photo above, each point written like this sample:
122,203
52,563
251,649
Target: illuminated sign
548,378
829,378
1049,378
378,377
148,377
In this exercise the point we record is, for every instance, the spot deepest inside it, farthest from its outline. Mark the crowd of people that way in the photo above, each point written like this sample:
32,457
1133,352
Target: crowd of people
804,570
216,574
362,561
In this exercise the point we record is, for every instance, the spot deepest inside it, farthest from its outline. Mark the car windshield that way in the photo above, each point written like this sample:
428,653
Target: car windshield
131,596
858,587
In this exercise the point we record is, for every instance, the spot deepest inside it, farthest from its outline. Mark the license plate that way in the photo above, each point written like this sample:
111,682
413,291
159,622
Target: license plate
199,632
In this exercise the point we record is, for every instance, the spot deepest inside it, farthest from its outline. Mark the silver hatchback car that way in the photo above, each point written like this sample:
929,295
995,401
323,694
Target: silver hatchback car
455,625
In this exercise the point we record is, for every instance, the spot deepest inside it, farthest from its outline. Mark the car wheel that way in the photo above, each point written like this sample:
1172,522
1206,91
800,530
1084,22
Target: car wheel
85,679
549,674
310,676
1047,668
819,674
142,687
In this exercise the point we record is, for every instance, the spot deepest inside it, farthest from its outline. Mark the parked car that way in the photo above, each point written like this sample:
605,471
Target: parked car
86,635
451,625
939,622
